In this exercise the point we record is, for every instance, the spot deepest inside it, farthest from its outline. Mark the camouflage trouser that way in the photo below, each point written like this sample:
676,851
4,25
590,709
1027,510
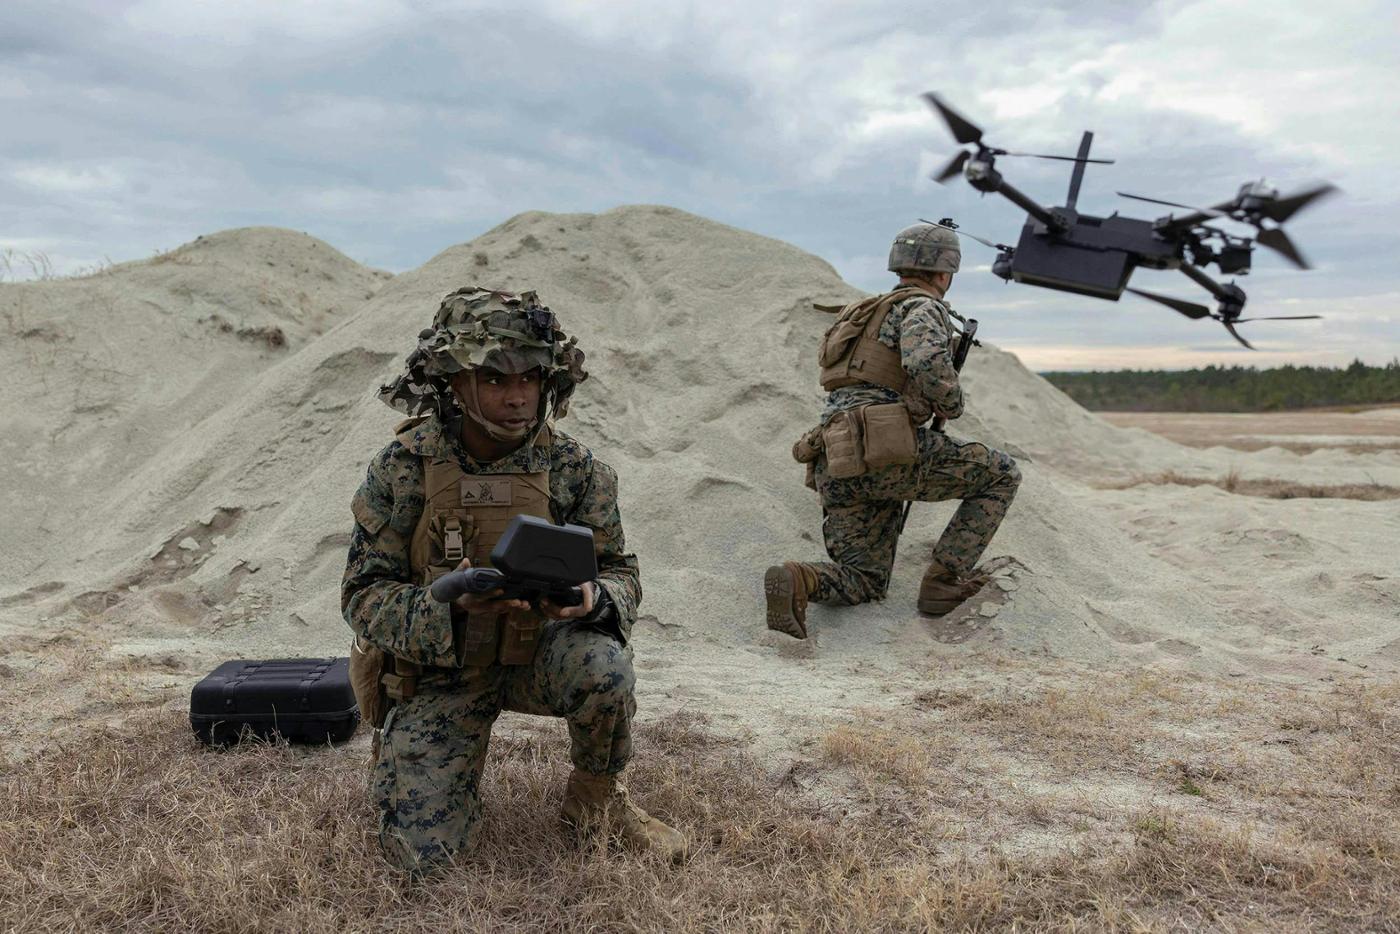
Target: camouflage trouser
862,514
428,773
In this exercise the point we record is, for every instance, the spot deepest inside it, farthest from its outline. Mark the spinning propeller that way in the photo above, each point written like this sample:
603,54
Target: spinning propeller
1228,314
968,133
1255,203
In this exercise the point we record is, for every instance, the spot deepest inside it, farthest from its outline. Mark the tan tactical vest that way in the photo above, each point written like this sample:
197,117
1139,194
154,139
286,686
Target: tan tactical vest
464,515
851,352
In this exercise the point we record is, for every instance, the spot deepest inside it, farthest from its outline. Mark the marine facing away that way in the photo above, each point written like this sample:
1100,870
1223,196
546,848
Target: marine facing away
887,364
483,390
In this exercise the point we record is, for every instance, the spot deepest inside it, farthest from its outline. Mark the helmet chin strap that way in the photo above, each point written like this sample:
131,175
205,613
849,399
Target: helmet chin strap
494,431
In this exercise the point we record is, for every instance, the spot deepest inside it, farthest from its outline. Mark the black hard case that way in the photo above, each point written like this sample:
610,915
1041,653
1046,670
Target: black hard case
303,700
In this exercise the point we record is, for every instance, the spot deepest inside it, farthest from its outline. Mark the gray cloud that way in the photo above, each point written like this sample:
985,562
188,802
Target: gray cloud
393,129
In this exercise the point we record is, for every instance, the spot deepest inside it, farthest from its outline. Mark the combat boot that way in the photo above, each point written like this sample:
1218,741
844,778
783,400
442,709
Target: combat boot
599,803
787,587
942,591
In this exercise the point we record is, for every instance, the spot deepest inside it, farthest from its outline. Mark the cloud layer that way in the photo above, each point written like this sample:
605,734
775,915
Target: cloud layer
393,129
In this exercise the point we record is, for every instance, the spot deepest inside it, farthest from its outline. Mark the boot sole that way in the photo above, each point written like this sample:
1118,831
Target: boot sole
782,617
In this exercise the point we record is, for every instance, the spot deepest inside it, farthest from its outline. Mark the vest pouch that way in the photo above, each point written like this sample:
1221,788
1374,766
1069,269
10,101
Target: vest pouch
366,680
841,437
837,341
477,640
808,447
888,435
520,636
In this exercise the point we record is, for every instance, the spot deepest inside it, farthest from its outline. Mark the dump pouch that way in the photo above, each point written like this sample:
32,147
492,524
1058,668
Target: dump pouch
366,680
808,447
888,435
841,438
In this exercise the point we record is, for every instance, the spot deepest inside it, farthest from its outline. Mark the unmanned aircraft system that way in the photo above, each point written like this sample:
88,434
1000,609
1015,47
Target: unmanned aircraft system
1062,248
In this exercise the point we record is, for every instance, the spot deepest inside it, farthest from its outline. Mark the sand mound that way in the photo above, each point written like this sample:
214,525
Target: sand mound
215,497
101,374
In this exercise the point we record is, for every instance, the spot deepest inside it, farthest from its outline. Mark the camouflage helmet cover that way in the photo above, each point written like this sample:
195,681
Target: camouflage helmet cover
925,248
477,328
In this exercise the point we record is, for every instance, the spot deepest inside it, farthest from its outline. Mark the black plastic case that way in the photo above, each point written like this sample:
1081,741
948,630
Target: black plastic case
303,700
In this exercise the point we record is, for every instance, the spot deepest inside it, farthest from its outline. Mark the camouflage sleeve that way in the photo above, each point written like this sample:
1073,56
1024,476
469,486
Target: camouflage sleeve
925,351
618,572
377,596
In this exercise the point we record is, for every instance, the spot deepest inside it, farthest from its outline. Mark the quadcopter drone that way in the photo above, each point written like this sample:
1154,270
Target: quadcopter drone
1063,249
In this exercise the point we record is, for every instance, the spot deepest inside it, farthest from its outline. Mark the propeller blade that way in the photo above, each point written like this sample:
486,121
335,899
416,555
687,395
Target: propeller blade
963,233
963,129
1230,326
1281,318
1037,155
1281,209
1189,309
1209,212
953,168
1276,240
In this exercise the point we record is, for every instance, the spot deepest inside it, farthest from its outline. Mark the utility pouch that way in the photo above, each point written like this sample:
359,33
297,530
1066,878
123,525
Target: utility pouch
367,681
520,636
478,639
808,447
888,435
841,438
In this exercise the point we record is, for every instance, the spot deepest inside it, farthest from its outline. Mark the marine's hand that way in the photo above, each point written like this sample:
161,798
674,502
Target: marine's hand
552,611
489,602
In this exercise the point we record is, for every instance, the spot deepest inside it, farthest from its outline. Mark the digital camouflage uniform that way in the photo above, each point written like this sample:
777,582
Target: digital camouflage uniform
887,362
433,744
862,514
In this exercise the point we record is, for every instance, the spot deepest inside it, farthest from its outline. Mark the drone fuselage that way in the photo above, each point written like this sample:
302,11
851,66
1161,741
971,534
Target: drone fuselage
1089,255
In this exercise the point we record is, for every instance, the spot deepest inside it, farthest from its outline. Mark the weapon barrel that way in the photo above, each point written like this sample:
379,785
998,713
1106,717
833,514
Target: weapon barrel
965,343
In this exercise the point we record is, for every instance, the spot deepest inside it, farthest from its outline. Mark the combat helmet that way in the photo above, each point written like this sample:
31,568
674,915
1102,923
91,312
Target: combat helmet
478,328
925,248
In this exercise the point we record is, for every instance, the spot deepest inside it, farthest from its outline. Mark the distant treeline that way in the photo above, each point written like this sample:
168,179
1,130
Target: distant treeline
1231,389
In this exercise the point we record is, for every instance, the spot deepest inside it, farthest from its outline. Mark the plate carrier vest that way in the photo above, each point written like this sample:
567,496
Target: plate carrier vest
464,516
851,352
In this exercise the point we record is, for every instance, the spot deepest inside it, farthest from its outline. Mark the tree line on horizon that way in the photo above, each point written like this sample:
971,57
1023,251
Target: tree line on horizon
1230,389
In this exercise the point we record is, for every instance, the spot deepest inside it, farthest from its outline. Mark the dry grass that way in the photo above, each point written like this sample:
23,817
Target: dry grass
140,829
1232,482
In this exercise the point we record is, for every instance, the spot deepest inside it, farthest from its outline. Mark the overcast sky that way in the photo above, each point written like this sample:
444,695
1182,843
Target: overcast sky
393,129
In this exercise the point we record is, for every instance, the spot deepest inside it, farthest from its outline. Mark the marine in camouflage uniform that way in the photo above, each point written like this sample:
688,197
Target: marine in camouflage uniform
433,743
863,514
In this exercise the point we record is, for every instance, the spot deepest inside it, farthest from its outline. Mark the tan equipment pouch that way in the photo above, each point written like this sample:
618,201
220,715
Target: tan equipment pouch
888,436
808,447
366,674
841,438
851,352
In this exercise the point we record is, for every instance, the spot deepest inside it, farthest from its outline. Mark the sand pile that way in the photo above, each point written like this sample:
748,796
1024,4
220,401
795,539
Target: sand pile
214,497
101,374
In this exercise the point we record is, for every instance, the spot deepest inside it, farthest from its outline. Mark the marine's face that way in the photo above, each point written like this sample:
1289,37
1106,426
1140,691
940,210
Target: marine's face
506,399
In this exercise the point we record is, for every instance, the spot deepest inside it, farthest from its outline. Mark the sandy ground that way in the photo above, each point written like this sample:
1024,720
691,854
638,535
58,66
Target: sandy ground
179,488
1352,430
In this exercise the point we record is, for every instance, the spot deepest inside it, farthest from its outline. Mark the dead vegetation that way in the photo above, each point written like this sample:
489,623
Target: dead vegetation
1262,809
1232,482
